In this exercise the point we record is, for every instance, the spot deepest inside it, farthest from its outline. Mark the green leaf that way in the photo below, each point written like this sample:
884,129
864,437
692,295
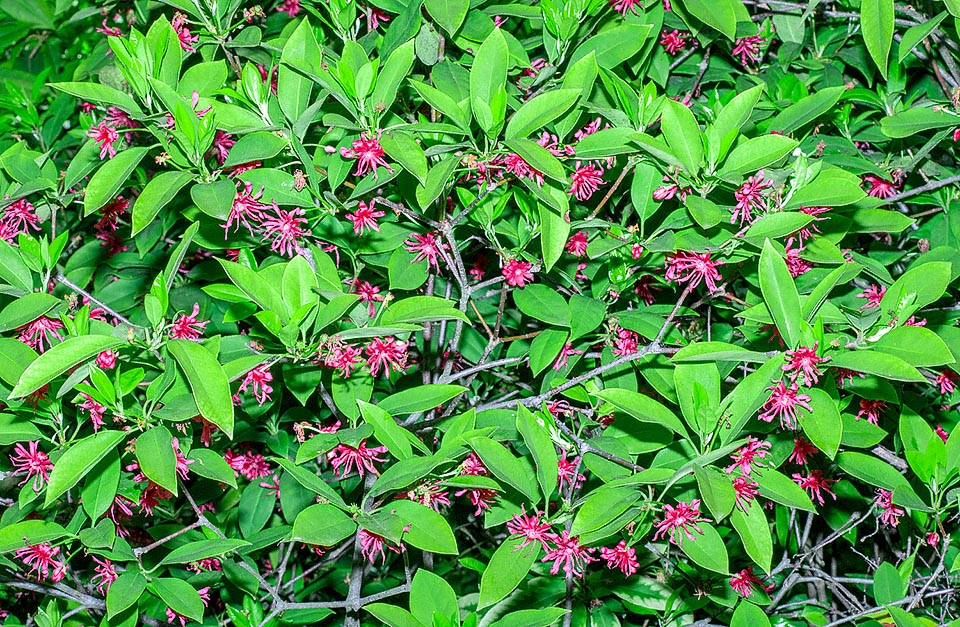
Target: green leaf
293,88
79,460
26,309
310,480
554,231
642,408
493,57
111,176
916,34
725,129
613,46
258,289
888,587
540,445
601,507
876,22
806,110
832,188
407,152
706,212
322,525
417,309
682,132
706,549
180,596
211,465
749,615
717,491
915,345
35,531
428,530
718,15
545,348
507,569
540,111
505,466
392,73
777,487
916,120
780,294
717,352
59,359
125,592
539,158
257,146
449,14
158,192
823,426
531,618
431,596
157,458
879,364
387,431
202,549
542,303
392,615
754,531
100,93
916,288
420,398
741,404
255,509
757,153
15,429
209,383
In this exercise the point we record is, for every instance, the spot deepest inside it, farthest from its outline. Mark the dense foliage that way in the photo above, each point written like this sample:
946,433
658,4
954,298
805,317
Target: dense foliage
432,313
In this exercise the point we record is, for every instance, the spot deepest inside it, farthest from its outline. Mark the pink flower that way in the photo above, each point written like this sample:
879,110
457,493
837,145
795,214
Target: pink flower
40,557
565,353
577,244
933,539
105,575
879,188
368,153
286,227
946,380
749,455
873,294
371,544
365,217
222,143
531,528
585,181
344,458
472,467
692,268
96,411
815,483
746,490
179,24
515,164
842,375
808,231
795,264
804,360
33,462
871,410
107,360
109,31
890,516
272,486
386,353
552,144
290,7
187,327
105,135
259,380
481,498
626,342
622,6
19,217
427,246
682,518
674,41
120,118
588,130
569,555
567,472
749,197
622,557
941,433
517,273
744,582
748,49
246,207
782,404
377,17
802,450
344,358
251,465
34,334
368,293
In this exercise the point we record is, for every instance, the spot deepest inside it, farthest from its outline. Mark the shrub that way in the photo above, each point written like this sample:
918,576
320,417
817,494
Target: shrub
441,313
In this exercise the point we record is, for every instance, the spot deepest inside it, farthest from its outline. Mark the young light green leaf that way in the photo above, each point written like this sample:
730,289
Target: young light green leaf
111,176
79,460
209,383
59,359
780,294
876,21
